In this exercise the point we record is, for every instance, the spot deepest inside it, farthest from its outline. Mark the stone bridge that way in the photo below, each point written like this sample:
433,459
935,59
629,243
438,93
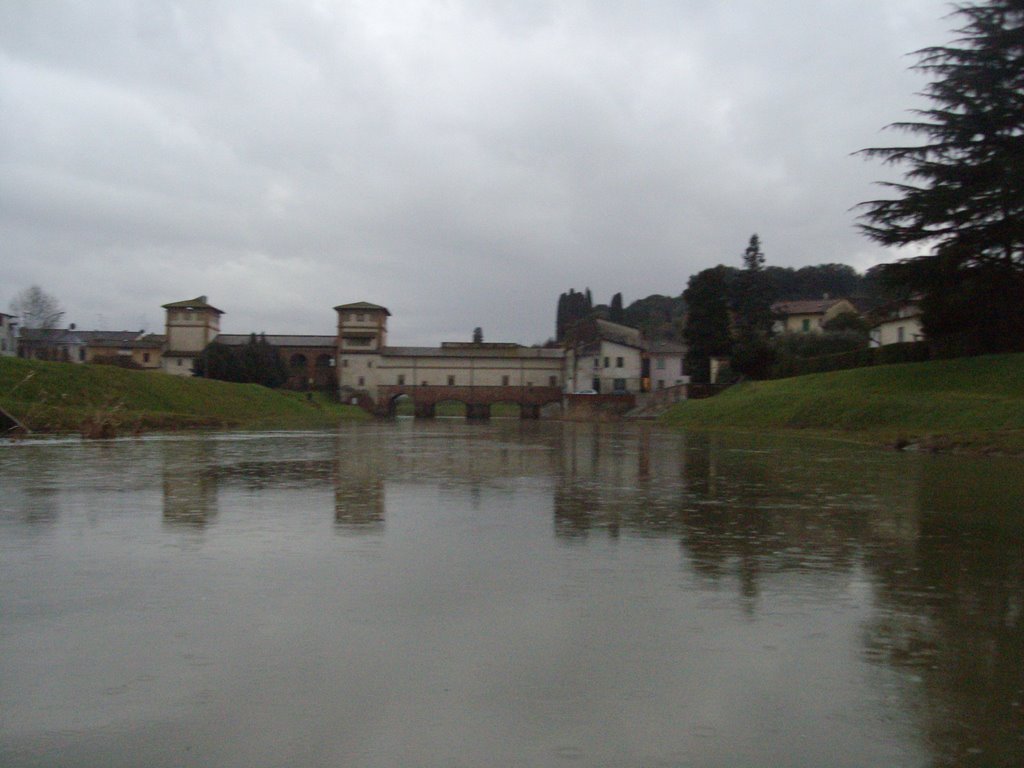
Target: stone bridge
477,399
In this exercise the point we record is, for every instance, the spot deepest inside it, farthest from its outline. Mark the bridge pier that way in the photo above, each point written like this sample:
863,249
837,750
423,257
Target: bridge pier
478,411
424,410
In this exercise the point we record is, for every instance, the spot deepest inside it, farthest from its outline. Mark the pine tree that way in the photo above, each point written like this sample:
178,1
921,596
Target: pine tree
963,193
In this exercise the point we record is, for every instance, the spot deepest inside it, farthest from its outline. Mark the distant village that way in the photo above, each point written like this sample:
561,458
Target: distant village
600,357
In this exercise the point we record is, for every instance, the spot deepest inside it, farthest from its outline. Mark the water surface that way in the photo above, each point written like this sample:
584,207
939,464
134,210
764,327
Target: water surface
507,594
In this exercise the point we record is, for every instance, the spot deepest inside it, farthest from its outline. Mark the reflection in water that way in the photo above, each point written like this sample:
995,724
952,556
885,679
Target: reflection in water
359,469
950,611
189,483
530,593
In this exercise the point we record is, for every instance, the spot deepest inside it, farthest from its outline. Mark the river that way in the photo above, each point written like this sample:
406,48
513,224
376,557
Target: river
450,593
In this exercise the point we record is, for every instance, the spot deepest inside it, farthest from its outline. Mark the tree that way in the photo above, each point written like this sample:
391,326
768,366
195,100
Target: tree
752,304
707,321
256,362
963,193
478,335
615,309
36,308
572,308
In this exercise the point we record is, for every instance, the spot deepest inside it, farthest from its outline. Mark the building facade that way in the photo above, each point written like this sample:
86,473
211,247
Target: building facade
369,368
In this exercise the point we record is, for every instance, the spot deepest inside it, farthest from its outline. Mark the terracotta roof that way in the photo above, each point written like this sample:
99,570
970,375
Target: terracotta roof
278,340
620,334
109,337
50,335
363,305
197,303
804,306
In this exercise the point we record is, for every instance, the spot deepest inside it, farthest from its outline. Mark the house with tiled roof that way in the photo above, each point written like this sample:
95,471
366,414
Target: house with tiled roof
605,357
809,315
132,348
896,323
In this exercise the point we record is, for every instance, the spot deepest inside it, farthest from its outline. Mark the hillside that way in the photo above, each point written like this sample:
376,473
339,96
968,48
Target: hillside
972,403
66,397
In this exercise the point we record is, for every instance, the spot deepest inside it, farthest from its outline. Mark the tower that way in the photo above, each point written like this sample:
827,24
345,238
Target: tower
189,327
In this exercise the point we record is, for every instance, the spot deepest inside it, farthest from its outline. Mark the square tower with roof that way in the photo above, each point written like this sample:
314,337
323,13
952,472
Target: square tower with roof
190,325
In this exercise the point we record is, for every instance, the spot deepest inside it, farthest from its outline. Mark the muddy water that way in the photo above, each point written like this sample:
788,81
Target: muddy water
507,594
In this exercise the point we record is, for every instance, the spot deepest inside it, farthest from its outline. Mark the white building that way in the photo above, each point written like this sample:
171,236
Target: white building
607,359
368,366
666,362
897,323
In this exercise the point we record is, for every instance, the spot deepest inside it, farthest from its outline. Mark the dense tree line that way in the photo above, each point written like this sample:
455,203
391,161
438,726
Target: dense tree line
256,362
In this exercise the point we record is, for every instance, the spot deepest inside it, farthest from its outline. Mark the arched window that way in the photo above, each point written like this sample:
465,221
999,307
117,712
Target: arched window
323,361
297,361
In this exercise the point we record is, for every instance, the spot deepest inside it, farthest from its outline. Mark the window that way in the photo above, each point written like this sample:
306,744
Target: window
451,381
424,383
660,364
597,363
606,363
619,385
344,362
358,341
362,381
360,318
401,380
552,381
145,357
179,361
899,334
504,381
618,362
369,363
81,352
805,325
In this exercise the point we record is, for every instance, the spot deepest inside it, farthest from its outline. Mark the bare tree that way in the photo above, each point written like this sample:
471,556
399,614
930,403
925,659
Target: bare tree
36,308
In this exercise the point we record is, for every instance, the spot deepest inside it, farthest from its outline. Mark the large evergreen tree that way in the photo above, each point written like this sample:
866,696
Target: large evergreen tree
963,193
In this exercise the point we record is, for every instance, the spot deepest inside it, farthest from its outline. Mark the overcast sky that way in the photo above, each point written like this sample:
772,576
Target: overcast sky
461,162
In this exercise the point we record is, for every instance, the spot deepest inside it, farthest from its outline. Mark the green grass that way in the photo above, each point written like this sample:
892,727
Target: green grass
63,397
966,403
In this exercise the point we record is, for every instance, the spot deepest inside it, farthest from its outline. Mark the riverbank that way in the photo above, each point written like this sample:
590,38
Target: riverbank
99,400
970,404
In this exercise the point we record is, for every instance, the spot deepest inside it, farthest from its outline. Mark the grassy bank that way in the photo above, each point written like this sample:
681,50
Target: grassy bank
64,397
971,403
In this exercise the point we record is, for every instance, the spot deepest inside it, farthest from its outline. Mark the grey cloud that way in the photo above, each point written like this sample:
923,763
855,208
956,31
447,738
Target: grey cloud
461,163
